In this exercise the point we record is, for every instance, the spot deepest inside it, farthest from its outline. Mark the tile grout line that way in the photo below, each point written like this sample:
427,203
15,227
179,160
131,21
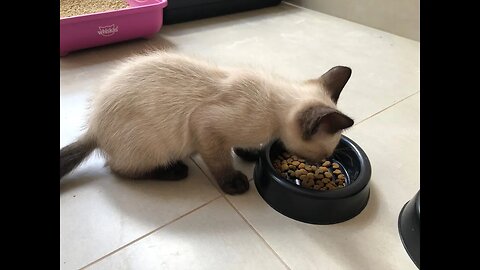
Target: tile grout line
243,218
147,234
386,108
250,179
257,233
212,181
208,177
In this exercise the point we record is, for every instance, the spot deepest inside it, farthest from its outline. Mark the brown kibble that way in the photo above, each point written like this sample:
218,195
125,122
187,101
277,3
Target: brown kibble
330,186
323,169
320,183
326,163
310,175
308,183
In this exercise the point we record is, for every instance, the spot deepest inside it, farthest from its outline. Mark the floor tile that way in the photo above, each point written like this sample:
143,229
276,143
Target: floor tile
213,237
100,213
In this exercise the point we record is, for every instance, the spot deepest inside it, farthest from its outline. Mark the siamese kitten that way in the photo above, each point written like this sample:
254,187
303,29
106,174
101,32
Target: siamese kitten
155,110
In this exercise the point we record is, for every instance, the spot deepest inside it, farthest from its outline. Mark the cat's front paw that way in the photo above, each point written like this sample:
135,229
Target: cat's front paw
236,184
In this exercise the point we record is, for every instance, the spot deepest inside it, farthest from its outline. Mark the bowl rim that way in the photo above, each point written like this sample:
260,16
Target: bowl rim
355,187
410,238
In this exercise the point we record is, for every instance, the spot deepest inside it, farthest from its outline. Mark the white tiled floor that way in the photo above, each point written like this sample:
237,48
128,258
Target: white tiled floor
213,237
111,223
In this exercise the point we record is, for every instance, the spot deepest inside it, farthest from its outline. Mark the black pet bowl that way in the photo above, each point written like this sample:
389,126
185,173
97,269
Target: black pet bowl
312,206
409,228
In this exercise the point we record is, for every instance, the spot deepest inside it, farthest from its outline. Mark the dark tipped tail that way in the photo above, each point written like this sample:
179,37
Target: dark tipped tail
73,154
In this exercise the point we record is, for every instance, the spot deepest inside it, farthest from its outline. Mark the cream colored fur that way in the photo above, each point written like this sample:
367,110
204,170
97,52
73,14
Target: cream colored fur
156,109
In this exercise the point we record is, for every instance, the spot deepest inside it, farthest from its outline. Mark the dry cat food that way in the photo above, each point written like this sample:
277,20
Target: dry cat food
69,8
325,175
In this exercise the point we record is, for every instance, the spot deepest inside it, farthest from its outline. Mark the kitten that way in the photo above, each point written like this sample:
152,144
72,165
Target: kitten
155,110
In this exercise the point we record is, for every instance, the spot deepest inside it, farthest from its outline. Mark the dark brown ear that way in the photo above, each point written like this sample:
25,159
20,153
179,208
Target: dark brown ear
321,118
334,80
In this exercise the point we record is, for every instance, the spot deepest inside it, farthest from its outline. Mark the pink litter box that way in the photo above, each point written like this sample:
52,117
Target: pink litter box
142,18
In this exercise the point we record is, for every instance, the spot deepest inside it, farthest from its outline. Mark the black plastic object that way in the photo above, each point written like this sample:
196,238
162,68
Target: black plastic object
409,228
312,206
187,10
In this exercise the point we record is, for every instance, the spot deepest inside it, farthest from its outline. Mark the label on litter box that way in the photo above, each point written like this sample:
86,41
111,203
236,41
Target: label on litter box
108,30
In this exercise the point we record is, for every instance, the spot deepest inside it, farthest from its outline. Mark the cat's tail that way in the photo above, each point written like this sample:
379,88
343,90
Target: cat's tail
73,154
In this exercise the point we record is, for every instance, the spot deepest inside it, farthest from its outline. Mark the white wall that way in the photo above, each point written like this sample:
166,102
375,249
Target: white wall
400,17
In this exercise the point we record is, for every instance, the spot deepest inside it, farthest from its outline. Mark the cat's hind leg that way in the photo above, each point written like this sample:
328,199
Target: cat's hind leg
175,171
